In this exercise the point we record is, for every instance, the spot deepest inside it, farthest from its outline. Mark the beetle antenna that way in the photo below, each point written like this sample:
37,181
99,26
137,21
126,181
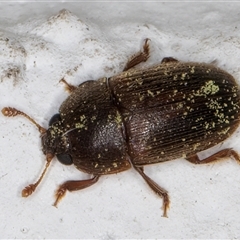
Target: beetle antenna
12,112
31,187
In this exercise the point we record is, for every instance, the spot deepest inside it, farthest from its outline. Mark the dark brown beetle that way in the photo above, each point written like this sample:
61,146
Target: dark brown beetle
140,117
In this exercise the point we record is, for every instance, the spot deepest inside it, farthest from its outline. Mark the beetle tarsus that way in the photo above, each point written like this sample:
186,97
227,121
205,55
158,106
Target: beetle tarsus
69,87
73,186
166,204
139,57
59,195
225,153
157,189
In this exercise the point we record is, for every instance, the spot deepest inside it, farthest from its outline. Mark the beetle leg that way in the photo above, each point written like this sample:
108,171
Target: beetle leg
228,152
157,189
70,88
169,59
73,186
139,57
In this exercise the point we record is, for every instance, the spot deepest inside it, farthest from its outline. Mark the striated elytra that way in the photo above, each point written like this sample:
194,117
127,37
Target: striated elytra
140,117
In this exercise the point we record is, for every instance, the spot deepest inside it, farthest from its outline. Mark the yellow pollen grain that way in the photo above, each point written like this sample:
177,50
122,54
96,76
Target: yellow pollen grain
150,93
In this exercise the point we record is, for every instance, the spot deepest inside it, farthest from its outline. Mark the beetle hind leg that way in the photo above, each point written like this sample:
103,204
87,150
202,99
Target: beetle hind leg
73,186
228,152
157,189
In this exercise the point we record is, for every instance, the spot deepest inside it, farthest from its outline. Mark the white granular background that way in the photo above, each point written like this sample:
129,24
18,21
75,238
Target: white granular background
40,43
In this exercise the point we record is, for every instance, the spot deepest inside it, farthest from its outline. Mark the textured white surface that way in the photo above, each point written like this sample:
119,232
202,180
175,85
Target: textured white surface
39,46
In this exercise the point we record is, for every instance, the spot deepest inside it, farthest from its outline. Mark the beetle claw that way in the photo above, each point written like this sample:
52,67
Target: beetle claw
165,207
59,195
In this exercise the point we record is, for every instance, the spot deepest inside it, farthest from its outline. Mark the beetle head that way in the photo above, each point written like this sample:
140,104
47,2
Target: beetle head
55,141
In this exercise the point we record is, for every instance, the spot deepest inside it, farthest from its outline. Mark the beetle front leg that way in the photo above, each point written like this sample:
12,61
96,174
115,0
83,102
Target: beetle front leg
157,189
73,186
228,152
69,87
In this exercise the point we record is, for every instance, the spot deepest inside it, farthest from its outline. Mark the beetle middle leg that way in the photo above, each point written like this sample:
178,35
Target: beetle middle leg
73,186
228,152
139,57
157,189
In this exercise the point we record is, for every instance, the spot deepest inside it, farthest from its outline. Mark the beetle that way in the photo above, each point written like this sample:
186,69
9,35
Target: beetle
139,117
